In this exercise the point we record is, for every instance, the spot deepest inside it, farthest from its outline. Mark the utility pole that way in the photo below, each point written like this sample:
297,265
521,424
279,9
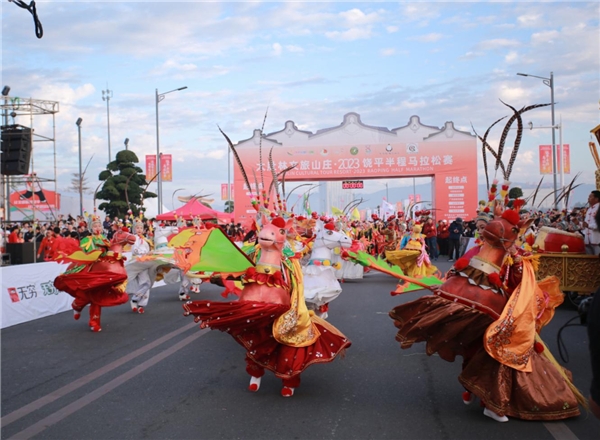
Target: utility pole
106,95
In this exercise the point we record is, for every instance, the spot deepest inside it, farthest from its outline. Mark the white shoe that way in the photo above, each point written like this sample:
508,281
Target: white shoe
254,384
492,415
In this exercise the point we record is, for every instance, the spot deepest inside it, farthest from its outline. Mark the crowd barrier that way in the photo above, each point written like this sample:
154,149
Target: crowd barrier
28,292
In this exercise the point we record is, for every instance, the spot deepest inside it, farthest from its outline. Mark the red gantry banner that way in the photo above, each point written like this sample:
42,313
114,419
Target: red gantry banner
452,166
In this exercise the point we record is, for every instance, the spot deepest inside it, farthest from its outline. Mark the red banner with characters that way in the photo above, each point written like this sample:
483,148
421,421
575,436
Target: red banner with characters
150,166
166,167
546,159
452,165
35,198
564,153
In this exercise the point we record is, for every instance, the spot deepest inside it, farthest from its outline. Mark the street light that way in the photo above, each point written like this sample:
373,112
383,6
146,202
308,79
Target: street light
550,83
106,95
159,97
126,143
78,123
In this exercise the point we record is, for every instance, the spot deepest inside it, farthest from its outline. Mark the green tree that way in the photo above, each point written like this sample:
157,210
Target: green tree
124,186
228,206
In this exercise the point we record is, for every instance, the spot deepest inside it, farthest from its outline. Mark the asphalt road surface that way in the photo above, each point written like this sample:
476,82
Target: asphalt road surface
159,376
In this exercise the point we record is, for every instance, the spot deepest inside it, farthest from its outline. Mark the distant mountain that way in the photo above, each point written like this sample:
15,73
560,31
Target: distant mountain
398,194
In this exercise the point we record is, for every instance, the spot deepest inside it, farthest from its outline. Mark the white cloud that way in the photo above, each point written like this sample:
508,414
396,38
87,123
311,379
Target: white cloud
387,52
427,38
530,20
350,34
277,49
392,29
294,48
498,43
356,17
511,57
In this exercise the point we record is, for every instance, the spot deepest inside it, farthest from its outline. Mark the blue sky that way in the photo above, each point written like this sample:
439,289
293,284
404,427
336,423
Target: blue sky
308,62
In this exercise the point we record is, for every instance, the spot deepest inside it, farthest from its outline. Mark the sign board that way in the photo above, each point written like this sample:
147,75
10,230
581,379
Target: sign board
352,184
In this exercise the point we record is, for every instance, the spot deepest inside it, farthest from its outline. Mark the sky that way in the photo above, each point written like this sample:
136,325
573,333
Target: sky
309,62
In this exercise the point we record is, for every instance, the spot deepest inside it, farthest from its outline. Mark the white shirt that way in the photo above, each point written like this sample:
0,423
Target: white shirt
591,233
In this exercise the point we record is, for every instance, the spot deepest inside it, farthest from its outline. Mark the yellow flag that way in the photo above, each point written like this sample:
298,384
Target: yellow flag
355,214
337,211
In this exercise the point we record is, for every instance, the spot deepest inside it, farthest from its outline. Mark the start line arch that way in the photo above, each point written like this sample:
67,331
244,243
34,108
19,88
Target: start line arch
355,151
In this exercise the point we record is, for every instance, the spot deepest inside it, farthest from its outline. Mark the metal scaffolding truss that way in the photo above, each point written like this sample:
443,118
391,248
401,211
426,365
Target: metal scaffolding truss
16,110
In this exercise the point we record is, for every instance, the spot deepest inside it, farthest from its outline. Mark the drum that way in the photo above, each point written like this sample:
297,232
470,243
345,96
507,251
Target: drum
552,240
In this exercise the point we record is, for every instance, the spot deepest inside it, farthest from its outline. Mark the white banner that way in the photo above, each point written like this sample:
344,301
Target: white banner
28,293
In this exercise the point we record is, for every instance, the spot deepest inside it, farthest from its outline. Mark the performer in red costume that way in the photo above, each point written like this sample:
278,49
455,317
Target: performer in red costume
96,275
270,319
495,327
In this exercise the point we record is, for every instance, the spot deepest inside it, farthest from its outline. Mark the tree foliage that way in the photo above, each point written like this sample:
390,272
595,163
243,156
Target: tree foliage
228,206
124,186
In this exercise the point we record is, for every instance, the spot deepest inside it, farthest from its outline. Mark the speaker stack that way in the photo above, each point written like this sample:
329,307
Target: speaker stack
16,150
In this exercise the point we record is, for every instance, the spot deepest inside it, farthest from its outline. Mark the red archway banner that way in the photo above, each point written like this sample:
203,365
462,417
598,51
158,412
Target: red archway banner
452,165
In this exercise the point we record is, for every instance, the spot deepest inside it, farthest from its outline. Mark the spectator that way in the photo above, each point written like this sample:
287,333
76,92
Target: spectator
456,232
591,232
13,237
430,232
443,233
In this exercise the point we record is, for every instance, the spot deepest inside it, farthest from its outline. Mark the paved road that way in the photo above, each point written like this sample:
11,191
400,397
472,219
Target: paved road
158,376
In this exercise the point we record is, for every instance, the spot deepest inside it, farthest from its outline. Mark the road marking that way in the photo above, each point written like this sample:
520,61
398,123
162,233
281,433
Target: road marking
61,414
560,431
49,398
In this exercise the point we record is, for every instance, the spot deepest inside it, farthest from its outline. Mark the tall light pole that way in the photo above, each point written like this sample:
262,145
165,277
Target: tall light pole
6,181
550,83
78,123
106,95
229,179
159,97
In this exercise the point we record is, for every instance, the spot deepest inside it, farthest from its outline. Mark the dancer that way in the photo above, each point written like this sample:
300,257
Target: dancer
320,283
140,276
413,258
270,319
494,328
95,276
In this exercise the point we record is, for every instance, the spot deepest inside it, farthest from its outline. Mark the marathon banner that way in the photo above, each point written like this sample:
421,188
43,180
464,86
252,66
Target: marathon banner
28,293
166,167
565,154
224,191
150,166
546,166
546,160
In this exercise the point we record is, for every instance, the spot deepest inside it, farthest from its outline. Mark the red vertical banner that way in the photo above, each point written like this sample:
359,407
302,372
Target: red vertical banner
564,158
418,198
166,167
411,198
546,159
150,166
223,191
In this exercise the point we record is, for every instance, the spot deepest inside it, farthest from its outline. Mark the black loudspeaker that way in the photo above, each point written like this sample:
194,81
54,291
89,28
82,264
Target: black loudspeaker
16,150
20,253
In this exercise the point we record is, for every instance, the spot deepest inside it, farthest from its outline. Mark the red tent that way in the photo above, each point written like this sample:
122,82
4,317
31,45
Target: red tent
192,209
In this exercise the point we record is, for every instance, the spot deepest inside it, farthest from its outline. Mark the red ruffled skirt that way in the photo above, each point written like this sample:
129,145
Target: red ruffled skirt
450,329
101,287
251,325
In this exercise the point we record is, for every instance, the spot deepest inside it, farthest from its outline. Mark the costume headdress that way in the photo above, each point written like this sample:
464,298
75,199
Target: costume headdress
506,170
